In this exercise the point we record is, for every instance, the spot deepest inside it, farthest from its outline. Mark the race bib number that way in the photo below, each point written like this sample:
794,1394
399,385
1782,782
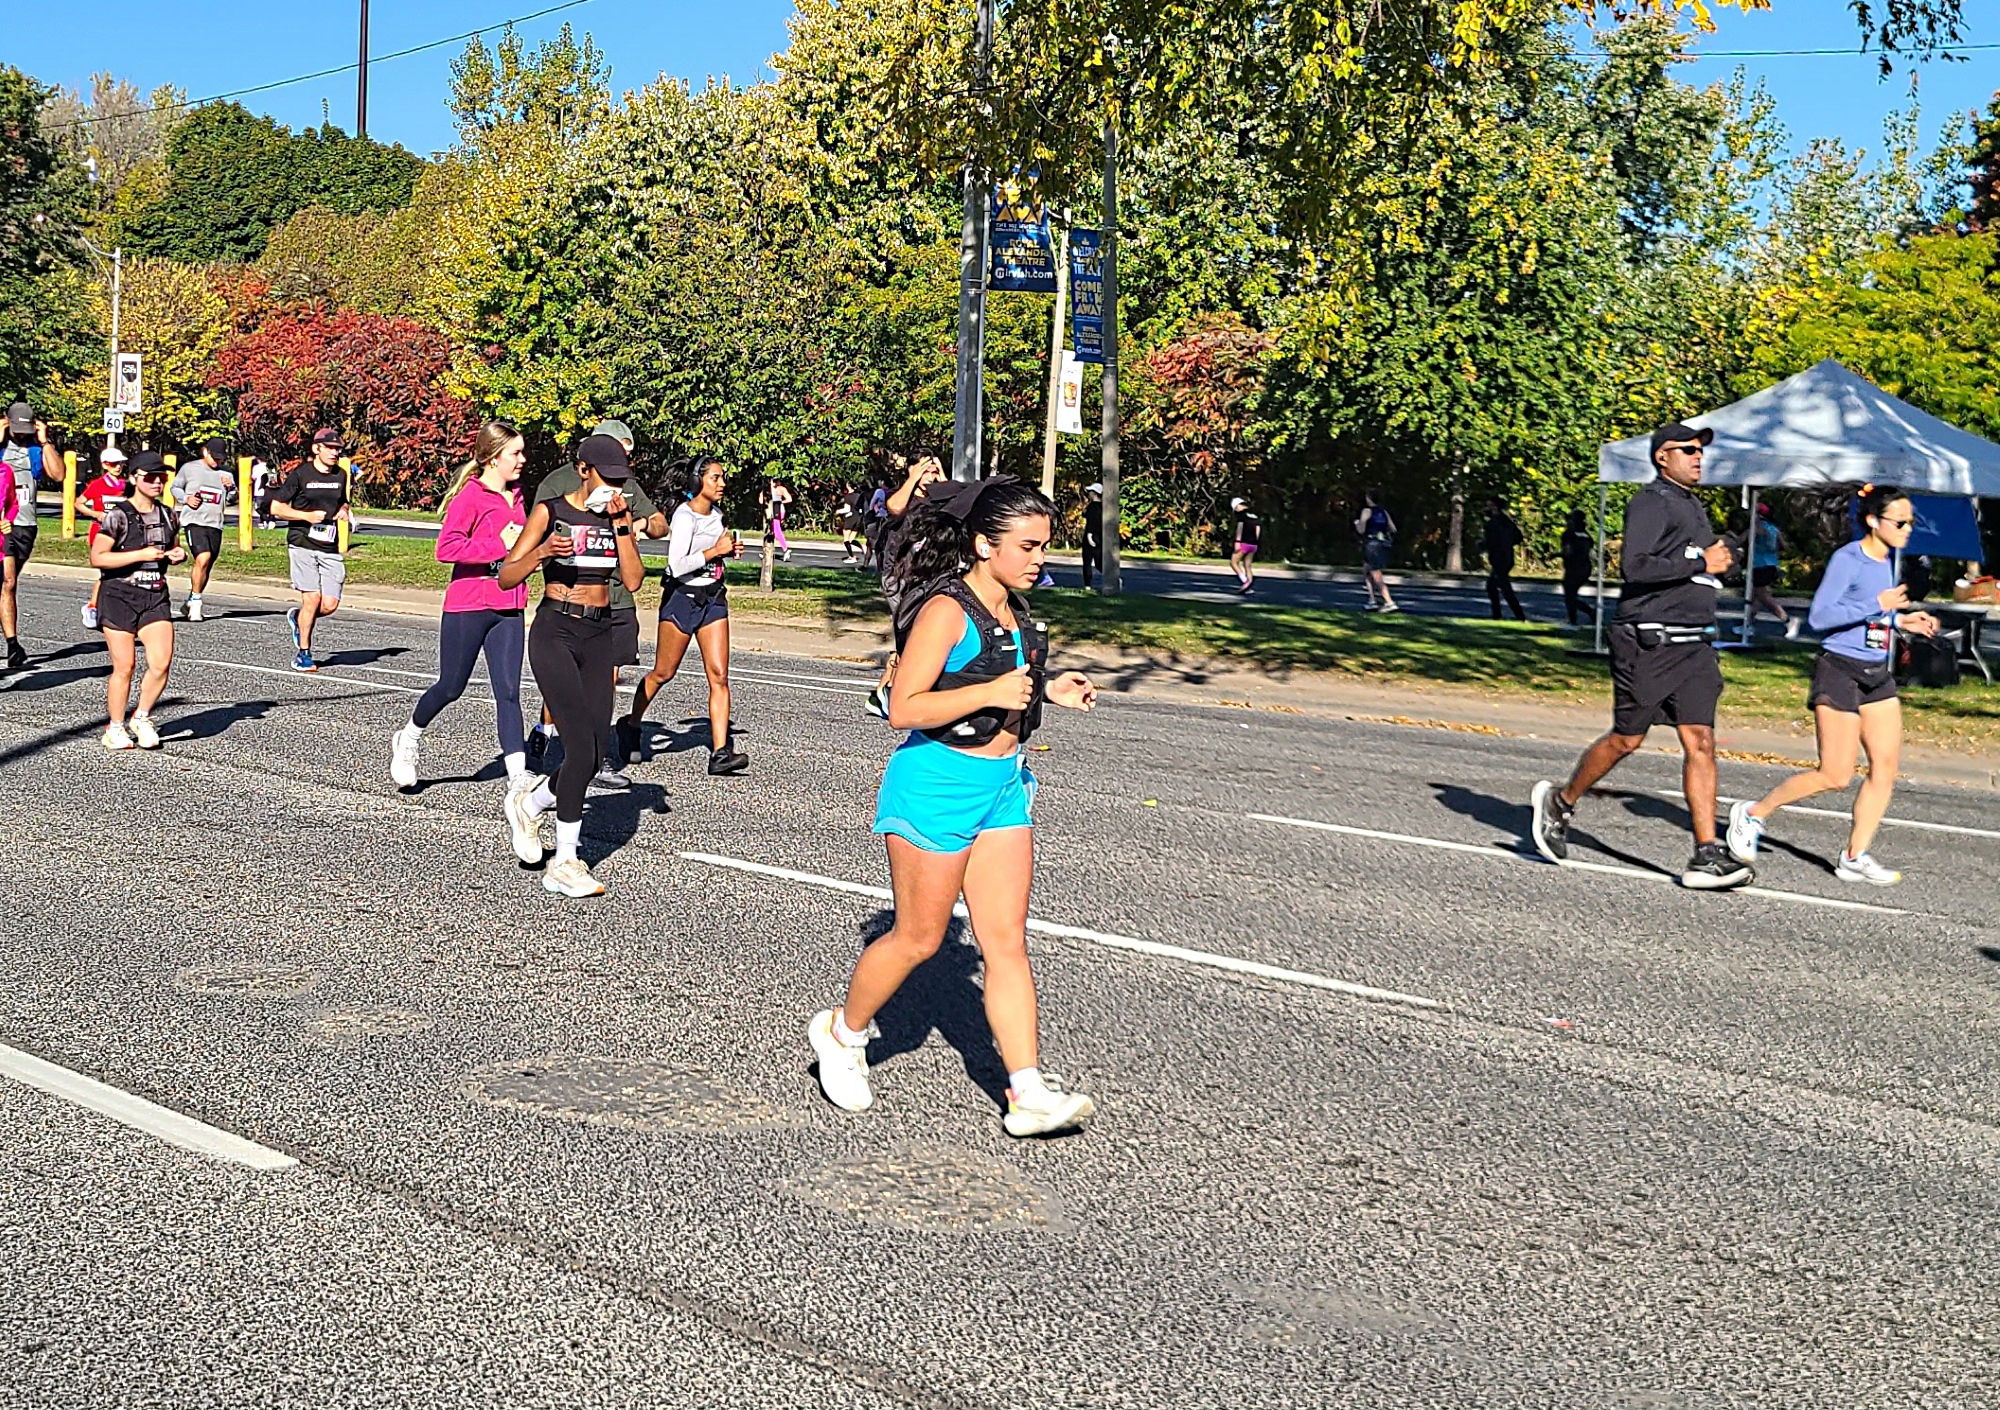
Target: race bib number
323,533
1875,636
149,575
206,497
592,546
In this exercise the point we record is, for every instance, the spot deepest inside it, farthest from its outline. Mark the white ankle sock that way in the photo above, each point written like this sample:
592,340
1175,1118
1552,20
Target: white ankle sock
517,767
414,730
542,799
848,1035
1026,1081
567,837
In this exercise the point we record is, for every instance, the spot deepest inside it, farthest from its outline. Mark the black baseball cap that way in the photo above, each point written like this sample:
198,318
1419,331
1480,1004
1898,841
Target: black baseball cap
1679,431
217,446
606,456
146,462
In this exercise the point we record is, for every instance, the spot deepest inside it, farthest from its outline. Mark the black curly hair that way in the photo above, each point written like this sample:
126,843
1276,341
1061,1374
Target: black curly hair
934,542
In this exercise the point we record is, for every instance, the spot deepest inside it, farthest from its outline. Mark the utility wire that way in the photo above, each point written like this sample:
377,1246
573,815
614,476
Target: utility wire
328,73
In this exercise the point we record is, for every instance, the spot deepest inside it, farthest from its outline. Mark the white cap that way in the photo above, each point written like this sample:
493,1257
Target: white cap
1239,503
111,455
1094,489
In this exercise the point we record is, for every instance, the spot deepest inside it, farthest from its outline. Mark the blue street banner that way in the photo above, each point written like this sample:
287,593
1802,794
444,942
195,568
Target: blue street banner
1086,294
1023,258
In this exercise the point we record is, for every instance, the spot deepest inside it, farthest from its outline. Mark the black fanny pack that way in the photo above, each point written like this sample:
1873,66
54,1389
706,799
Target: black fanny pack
1652,634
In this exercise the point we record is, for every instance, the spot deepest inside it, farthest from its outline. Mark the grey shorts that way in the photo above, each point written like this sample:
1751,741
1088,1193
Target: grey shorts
314,571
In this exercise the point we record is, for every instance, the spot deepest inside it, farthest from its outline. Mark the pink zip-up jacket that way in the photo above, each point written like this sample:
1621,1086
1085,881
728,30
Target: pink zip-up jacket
470,541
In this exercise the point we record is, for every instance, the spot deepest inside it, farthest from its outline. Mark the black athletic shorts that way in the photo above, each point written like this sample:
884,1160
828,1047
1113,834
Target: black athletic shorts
1666,684
1847,684
124,608
625,635
1763,577
203,539
21,541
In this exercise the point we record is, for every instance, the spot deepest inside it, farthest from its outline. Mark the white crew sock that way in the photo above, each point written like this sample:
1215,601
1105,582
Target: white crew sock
517,767
542,799
847,1035
414,730
1027,1081
568,835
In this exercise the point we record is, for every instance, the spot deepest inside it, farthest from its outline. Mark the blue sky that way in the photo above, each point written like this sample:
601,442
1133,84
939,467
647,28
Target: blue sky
212,46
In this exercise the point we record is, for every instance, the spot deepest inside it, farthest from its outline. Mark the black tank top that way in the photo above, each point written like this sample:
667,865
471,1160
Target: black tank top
593,556
128,529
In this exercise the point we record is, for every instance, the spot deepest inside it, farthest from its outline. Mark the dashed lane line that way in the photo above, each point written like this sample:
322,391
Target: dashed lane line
138,1113
1151,948
1498,852
1844,817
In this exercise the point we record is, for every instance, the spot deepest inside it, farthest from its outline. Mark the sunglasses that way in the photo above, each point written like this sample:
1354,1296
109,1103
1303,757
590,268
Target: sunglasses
1685,450
1897,523
151,475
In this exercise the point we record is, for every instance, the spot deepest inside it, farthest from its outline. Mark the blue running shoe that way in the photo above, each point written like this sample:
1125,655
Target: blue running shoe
304,662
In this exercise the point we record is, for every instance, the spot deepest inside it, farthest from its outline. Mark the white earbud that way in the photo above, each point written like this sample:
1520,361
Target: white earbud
984,551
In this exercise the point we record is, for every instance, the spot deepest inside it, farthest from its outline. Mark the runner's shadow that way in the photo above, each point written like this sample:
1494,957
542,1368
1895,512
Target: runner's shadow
495,770
1991,952
1645,805
36,680
613,819
206,724
1508,815
940,995
93,647
364,657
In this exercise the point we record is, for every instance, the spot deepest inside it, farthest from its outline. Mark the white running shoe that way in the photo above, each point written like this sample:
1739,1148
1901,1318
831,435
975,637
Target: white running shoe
143,733
523,822
403,758
116,738
1047,1111
843,1070
1865,868
1745,833
194,609
1391,607
90,617
571,878
1792,626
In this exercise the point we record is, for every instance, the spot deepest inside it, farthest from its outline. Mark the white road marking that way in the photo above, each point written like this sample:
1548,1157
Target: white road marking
794,685
319,677
1204,958
1844,817
1501,852
138,1113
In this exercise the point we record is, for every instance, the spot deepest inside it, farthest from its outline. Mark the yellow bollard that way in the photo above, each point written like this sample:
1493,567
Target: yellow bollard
347,470
167,494
246,507
69,494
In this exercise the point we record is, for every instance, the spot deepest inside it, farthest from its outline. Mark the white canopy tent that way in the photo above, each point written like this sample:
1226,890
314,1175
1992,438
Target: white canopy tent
1826,426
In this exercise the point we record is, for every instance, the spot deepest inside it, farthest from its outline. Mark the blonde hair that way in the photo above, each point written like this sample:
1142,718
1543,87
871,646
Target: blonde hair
493,438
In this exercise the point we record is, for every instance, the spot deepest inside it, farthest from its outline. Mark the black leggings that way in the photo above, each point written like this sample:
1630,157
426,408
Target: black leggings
461,637
1500,580
576,666
1573,595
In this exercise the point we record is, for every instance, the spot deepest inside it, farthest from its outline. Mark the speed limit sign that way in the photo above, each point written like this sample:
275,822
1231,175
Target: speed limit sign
114,421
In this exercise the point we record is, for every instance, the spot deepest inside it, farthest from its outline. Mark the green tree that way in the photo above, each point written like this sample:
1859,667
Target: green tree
44,320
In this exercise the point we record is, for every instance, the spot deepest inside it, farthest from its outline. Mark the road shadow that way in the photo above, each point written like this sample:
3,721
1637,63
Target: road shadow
1511,816
206,724
93,647
613,819
1667,810
940,995
41,743
363,657
1991,952
493,771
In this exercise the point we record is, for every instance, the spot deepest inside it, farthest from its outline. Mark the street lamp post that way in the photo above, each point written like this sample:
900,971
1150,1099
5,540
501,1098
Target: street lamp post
968,413
116,259
361,83
1108,470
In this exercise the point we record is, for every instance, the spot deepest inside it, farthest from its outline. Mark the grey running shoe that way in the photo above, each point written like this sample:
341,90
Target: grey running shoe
611,779
1713,869
1550,828
1865,868
728,761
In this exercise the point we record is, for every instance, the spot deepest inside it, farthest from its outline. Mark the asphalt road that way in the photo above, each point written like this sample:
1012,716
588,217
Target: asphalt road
1652,1148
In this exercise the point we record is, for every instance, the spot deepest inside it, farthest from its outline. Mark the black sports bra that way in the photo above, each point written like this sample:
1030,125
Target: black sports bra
593,555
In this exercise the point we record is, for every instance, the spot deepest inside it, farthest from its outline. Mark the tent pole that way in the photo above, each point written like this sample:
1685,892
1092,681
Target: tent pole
1603,509
1750,569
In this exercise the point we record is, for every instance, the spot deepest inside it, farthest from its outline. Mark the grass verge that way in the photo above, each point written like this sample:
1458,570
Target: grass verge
1497,658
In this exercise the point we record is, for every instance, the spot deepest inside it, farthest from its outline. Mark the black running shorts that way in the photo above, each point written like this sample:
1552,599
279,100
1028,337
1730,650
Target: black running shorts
1846,684
1667,684
124,608
21,541
203,538
625,635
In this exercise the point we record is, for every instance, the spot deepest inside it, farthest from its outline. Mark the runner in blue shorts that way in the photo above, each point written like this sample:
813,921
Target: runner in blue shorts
955,800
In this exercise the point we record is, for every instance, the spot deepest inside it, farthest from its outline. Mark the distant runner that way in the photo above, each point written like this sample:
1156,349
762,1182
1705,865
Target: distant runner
1579,559
202,490
847,512
27,454
312,501
1093,532
1377,532
1663,661
1249,534
1498,541
136,539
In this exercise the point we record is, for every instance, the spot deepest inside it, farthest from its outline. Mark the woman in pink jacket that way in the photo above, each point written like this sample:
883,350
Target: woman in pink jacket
483,515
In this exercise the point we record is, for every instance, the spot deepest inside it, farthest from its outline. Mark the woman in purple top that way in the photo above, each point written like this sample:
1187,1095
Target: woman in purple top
1856,610
483,516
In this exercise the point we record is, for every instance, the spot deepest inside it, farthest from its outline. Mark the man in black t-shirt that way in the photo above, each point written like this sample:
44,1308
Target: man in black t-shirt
1498,542
312,501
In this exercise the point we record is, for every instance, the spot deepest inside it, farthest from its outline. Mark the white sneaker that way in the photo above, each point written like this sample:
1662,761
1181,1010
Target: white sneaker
90,617
194,609
143,732
1049,1110
571,878
523,822
843,1070
403,758
116,738
1745,833
1792,627
1865,868
1391,607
